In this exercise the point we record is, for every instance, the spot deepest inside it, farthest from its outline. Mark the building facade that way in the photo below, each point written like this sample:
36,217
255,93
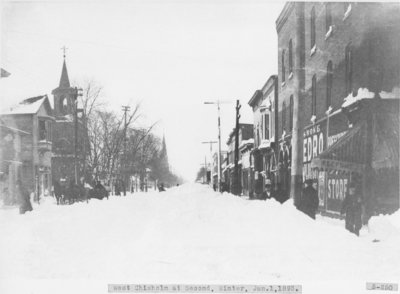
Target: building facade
326,52
10,162
245,133
264,103
32,120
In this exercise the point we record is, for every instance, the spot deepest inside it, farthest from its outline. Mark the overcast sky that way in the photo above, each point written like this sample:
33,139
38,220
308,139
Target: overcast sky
169,55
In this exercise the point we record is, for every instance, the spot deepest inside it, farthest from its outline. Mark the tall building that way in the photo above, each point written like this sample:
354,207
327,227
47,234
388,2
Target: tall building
329,51
65,108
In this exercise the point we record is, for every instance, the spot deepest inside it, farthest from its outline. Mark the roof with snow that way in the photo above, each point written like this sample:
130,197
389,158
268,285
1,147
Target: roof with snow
364,93
28,106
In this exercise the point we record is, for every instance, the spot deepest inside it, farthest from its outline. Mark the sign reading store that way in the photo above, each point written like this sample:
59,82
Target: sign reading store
331,185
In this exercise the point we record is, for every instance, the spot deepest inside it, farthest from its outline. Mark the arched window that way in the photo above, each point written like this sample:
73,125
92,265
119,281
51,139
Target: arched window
349,68
314,96
291,113
283,117
283,66
328,16
312,27
290,56
329,81
61,104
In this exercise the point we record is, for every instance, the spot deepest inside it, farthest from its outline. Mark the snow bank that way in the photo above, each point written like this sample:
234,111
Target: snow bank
191,234
385,227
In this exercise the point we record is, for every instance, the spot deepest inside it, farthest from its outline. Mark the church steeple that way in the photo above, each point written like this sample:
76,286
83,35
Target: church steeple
64,81
64,93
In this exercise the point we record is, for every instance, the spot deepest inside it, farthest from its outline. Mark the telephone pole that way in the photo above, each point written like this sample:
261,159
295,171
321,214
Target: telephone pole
236,185
77,93
125,109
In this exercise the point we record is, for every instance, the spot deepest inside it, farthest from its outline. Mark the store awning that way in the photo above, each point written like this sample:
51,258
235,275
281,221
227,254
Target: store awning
347,154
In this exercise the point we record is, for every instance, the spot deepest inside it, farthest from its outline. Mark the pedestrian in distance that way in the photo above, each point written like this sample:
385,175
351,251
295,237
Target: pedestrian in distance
23,198
161,188
267,194
309,199
352,207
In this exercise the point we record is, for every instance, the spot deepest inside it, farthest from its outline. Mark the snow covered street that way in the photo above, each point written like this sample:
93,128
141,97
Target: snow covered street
190,234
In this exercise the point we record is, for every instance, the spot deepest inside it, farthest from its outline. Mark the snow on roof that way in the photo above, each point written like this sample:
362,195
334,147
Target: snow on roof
28,106
246,142
265,144
364,93
66,118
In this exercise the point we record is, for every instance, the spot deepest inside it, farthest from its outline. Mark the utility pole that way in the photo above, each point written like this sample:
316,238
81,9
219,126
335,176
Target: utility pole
219,142
75,96
125,109
236,185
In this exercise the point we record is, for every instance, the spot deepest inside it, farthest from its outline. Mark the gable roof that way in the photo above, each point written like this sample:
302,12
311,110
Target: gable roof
29,106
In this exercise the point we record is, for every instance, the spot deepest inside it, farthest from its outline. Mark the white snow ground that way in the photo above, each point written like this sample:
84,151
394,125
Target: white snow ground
190,234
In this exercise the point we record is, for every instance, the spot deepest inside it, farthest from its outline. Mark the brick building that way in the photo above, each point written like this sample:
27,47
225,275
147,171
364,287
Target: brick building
245,133
65,110
267,147
29,125
326,52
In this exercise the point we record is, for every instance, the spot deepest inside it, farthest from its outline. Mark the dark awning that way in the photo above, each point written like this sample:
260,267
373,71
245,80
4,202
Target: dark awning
347,154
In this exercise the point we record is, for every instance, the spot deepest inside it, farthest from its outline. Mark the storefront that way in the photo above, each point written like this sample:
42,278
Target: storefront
367,154
332,184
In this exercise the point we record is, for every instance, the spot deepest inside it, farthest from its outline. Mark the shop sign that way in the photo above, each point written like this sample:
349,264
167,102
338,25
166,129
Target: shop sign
336,191
315,142
313,145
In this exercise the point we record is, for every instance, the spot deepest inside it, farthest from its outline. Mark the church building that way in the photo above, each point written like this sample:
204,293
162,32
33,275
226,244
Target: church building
67,122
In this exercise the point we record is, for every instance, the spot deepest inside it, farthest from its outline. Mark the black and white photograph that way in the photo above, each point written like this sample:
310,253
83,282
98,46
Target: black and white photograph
199,146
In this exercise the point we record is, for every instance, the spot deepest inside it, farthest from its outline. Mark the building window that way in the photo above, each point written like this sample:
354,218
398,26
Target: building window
312,27
42,130
349,68
290,56
283,116
283,66
329,81
266,126
291,113
314,96
328,17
